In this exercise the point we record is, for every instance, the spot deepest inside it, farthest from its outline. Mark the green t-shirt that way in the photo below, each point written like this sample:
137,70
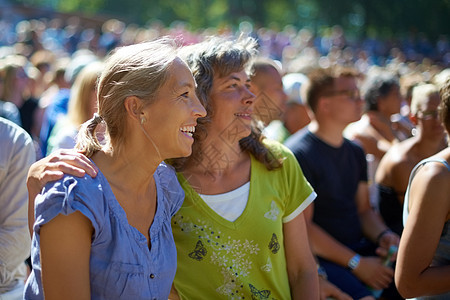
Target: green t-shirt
244,259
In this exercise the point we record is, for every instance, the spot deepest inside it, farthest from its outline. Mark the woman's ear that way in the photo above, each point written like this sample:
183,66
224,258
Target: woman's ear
133,107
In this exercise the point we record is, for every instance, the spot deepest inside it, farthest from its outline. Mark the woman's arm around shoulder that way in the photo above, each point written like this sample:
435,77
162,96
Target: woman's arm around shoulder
51,168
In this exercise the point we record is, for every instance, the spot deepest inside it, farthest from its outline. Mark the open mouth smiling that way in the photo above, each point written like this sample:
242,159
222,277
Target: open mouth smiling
188,130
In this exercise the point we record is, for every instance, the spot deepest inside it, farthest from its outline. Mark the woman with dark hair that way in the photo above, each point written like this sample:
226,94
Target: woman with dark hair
240,232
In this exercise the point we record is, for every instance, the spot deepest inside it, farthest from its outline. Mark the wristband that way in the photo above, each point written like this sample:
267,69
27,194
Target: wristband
381,235
354,262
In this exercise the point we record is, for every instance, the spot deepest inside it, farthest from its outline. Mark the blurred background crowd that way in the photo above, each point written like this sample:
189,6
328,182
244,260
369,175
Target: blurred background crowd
42,51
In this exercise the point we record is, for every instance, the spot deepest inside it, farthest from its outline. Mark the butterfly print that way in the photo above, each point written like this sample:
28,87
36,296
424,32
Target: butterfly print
273,213
199,251
274,246
267,267
259,294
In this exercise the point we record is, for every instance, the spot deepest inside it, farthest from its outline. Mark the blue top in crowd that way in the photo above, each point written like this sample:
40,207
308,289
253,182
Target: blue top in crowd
121,264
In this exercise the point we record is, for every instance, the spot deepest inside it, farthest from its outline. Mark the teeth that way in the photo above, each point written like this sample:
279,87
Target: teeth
189,130
242,115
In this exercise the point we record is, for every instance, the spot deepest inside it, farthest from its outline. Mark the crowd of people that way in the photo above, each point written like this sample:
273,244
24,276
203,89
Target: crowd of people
159,163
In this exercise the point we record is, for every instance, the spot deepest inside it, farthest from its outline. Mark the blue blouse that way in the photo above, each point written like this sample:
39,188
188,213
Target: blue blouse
121,264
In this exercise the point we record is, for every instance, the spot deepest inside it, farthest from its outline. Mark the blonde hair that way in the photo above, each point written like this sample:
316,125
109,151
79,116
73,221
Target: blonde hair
136,70
12,64
420,95
80,103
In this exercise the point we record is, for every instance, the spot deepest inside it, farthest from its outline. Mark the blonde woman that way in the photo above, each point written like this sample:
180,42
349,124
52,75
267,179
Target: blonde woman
110,237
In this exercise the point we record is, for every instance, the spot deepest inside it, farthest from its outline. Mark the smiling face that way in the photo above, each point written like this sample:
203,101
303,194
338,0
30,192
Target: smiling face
232,104
171,119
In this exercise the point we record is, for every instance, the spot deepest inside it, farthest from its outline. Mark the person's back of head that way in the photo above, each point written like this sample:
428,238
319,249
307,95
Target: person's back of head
377,87
83,101
59,73
261,70
42,60
267,85
292,84
78,61
14,77
296,115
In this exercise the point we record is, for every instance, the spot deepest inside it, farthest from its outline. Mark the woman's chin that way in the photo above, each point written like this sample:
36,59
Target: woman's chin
185,152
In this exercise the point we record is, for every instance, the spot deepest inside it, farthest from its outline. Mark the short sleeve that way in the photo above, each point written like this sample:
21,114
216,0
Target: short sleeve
299,193
69,195
173,191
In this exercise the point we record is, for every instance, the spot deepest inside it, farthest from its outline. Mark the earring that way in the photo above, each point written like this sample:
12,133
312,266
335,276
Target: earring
143,119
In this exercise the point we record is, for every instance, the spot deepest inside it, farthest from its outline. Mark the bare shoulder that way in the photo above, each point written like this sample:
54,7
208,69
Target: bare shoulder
437,168
434,176
356,129
395,163
433,172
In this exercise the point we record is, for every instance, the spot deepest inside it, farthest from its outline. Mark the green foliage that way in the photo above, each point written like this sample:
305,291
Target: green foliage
383,18
87,6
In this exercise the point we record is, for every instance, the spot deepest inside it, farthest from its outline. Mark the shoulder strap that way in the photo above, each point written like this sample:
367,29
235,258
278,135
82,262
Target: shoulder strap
413,173
423,162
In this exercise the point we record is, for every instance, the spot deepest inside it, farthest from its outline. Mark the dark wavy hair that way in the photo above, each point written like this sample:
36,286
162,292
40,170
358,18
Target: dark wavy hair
219,56
376,87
